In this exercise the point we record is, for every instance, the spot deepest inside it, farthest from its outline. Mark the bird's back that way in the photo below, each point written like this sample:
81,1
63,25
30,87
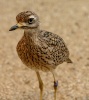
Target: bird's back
54,46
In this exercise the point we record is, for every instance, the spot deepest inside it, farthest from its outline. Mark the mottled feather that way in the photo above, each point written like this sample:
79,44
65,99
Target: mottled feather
44,52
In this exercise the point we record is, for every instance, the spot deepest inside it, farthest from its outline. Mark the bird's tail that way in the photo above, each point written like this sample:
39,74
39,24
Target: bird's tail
69,60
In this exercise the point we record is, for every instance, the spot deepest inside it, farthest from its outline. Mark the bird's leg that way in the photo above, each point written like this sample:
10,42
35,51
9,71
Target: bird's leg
40,85
55,89
55,85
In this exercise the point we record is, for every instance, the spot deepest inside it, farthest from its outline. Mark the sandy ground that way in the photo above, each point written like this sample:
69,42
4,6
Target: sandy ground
69,19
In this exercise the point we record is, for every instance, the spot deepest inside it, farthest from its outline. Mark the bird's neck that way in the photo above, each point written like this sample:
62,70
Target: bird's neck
32,34
32,31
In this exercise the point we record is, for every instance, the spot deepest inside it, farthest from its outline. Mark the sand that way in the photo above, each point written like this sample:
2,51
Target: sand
67,18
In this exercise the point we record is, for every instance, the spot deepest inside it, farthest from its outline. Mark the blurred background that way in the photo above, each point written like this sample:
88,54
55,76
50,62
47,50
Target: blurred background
67,18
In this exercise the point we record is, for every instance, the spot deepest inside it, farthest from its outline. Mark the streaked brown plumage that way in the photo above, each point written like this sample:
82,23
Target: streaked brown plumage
39,49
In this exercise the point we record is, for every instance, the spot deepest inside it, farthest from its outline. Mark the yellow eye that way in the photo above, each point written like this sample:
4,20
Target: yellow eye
31,20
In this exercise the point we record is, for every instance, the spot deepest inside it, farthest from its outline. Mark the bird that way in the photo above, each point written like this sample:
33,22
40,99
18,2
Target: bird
38,49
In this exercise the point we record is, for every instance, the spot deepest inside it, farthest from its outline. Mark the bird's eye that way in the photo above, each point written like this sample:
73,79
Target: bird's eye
31,20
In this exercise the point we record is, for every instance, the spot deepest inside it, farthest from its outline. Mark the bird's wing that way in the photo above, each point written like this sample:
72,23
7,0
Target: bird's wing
53,47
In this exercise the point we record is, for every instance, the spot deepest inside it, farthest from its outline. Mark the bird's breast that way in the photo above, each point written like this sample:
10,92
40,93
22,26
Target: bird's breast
31,55
24,49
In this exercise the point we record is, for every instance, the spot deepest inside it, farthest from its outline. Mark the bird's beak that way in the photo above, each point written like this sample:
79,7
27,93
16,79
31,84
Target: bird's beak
15,27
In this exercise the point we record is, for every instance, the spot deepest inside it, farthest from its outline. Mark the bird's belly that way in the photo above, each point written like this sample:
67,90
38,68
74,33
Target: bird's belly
30,57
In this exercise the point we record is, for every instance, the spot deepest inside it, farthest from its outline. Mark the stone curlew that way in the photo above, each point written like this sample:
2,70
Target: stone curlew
39,49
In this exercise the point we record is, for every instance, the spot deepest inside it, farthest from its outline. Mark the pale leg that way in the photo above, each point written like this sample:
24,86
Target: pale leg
40,85
55,85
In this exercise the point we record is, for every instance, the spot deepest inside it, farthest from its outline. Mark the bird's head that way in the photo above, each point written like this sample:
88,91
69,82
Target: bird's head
26,20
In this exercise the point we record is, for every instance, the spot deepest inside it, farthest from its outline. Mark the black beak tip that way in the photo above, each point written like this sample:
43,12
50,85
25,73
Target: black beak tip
10,29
